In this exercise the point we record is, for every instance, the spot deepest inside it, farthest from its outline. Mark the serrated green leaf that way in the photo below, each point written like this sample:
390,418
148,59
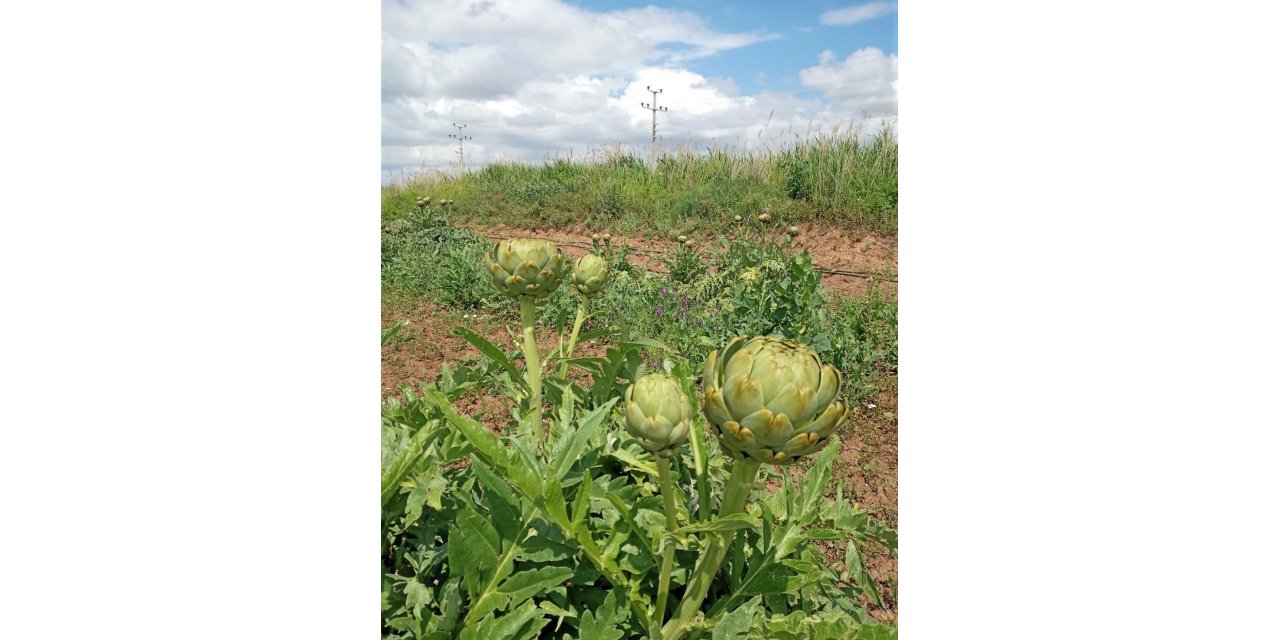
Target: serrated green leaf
853,560
416,596
789,541
550,607
766,582
816,480
625,512
493,353
582,503
547,545
428,488
526,584
825,534
876,632
602,624
724,524
474,548
577,441
504,506
486,445
452,606
508,626
553,497
736,623
634,462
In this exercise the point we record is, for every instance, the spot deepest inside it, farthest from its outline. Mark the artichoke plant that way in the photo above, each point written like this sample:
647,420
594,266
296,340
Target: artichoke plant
657,414
590,273
771,399
528,270
526,267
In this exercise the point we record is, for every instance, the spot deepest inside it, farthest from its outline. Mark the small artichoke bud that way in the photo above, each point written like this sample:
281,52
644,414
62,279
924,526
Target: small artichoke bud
681,239
606,237
737,218
764,217
771,399
657,414
595,237
793,230
590,274
688,244
526,267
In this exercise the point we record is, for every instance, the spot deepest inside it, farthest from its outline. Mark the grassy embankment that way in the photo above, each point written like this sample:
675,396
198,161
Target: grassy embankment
836,178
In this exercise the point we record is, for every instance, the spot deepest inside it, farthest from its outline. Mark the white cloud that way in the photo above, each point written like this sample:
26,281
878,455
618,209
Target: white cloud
533,78
866,81
857,13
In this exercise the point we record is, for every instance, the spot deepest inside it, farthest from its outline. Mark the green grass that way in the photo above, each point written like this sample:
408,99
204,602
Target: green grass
834,177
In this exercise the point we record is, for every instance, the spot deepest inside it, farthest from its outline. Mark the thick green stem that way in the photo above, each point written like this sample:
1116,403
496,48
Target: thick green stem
735,497
669,548
573,337
528,319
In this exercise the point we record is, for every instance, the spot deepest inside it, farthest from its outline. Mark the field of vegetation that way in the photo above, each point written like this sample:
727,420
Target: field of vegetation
837,178
559,460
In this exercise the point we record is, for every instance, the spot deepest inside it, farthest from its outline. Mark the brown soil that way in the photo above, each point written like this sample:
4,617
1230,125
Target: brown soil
858,261
868,466
417,353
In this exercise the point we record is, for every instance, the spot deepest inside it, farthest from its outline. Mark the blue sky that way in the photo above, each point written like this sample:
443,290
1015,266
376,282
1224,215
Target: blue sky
535,79
775,64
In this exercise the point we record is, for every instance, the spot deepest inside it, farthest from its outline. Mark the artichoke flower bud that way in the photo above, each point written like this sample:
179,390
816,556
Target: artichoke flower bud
526,267
688,244
764,217
737,218
681,238
793,230
657,414
771,399
607,237
590,273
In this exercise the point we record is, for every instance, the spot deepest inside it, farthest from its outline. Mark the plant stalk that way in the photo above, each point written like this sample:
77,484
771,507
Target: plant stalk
533,366
668,549
573,337
735,497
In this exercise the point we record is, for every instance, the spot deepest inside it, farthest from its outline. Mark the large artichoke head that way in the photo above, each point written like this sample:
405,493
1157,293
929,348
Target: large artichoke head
590,273
526,267
657,414
771,399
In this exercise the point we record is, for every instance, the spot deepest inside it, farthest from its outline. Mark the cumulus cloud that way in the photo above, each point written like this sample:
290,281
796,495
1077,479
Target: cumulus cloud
865,81
535,78
857,13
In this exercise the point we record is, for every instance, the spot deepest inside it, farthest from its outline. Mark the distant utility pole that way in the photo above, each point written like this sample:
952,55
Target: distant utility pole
460,138
655,109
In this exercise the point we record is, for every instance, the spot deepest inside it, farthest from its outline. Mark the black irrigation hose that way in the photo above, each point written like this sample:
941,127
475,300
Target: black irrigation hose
654,254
